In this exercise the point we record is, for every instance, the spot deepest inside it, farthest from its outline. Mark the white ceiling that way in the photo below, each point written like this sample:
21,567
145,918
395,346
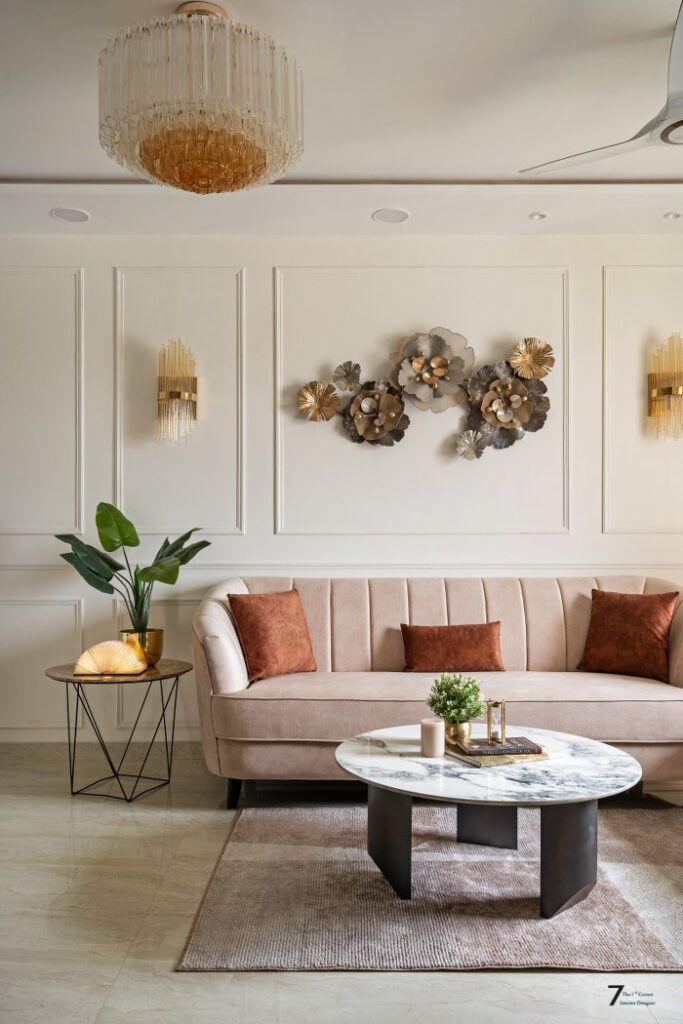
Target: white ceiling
395,90
431,105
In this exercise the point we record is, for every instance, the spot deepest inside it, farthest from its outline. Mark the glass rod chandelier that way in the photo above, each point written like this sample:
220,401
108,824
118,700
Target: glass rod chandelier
200,103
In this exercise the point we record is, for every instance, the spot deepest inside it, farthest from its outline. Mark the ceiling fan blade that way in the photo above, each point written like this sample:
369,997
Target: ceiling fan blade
675,80
641,139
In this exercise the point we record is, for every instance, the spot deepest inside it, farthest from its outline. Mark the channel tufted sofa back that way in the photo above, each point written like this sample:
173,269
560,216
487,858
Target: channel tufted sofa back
355,623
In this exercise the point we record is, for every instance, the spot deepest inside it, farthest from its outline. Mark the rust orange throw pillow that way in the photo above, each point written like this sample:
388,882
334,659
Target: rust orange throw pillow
273,633
453,648
629,634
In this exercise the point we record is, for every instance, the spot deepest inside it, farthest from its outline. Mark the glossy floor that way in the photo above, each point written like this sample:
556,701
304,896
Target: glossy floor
97,898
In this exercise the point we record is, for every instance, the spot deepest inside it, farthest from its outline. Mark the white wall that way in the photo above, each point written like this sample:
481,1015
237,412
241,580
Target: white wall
81,321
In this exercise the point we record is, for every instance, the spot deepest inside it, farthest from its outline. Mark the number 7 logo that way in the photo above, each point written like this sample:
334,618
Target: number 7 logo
619,990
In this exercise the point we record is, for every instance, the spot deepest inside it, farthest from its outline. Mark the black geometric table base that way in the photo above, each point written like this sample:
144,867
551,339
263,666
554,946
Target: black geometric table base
131,785
569,843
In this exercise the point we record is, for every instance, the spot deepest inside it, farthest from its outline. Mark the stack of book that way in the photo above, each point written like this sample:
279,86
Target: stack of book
481,753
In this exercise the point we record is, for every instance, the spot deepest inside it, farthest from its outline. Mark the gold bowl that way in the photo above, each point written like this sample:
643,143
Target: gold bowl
148,643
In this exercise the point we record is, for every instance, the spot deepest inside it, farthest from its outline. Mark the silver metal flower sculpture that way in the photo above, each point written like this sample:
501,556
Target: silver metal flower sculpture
432,368
347,376
469,445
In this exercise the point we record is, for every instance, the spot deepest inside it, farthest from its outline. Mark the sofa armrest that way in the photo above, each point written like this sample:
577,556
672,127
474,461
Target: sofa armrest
215,634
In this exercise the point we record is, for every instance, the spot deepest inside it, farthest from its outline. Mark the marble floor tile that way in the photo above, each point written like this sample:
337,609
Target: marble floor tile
97,898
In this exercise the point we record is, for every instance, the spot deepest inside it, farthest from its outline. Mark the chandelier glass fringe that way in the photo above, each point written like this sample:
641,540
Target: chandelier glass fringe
665,388
200,103
177,401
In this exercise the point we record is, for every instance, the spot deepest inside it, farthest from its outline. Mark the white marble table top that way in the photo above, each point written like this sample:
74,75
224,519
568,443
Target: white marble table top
577,769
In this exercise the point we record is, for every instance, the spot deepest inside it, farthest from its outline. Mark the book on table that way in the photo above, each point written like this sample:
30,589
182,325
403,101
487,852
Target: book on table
512,745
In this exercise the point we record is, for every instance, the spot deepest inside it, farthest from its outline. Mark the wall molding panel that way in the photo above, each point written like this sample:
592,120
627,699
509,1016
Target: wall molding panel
37,689
74,366
237,511
84,316
653,306
282,411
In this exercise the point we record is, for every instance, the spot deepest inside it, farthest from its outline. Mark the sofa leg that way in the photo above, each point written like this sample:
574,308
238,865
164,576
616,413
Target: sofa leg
234,790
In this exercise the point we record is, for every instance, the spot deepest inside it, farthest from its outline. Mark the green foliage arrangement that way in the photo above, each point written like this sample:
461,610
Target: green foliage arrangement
456,698
109,576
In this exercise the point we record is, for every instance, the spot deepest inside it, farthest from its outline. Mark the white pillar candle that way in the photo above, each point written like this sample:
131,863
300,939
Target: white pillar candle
433,737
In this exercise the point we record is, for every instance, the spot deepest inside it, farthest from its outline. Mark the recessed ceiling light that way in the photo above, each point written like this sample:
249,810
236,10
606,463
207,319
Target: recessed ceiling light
389,215
672,215
537,215
69,214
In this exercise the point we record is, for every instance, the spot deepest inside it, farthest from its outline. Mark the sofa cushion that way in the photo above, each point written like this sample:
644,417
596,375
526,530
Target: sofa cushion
330,707
465,648
629,633
273,632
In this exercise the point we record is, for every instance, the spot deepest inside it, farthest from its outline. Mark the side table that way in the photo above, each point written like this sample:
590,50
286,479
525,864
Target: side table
128,783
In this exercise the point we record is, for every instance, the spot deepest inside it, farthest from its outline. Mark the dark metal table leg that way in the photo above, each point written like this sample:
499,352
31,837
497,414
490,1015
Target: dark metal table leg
487,826
168,706
390,836
569,854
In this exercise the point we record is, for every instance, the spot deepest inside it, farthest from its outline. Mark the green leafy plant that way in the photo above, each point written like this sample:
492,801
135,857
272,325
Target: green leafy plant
110,576
456,698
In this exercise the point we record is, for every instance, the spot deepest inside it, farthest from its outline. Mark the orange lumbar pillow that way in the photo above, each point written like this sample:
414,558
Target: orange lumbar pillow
453,648
111,658
273,632
628,634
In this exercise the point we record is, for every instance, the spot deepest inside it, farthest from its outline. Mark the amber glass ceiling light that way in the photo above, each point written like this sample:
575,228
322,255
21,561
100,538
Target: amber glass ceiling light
200,103
665,388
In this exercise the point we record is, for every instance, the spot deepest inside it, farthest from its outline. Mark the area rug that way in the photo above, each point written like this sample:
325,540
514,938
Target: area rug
294,890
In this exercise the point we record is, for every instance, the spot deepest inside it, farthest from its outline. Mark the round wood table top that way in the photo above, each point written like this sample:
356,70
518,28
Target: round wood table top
165,669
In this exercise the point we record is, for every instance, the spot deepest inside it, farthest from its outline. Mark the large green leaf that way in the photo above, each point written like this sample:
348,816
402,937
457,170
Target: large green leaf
188,553
175,546
98,561
114,529
164,571
163,550
88,575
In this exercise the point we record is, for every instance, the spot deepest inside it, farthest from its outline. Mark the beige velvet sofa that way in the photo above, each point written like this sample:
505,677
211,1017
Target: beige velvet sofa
288,727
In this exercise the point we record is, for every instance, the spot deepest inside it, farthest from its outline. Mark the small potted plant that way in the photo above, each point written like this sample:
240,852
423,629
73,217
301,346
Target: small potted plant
134,585
457,700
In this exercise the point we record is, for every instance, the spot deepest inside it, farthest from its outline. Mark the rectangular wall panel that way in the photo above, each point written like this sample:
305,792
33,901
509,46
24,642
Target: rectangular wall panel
35,634
641,491
327,485
166,488
40,412
174,616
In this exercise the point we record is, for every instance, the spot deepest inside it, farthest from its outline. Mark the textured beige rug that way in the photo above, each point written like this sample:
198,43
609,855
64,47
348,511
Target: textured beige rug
295,890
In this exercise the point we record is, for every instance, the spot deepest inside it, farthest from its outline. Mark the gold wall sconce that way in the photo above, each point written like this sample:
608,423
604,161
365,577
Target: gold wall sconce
177,395
665,388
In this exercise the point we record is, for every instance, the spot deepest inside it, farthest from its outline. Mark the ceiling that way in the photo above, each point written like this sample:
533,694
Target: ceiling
431,105
395,90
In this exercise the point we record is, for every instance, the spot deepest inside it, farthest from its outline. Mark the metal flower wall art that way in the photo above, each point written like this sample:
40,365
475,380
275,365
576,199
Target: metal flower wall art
432,369
435,372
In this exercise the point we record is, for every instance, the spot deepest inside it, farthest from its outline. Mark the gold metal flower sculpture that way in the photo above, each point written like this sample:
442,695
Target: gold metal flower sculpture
376,414
506,404
532,358
318,401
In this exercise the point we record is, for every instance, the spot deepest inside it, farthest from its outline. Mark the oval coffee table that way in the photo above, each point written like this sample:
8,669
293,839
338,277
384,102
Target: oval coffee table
566,787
